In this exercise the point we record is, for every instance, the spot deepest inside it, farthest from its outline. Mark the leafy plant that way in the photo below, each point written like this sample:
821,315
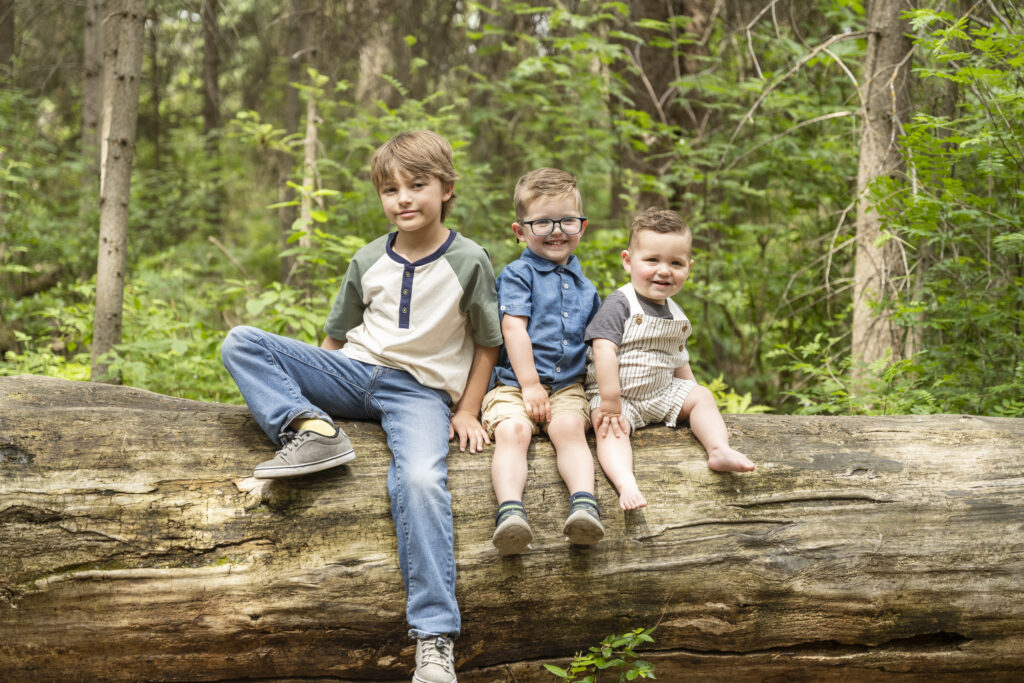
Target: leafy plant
614,653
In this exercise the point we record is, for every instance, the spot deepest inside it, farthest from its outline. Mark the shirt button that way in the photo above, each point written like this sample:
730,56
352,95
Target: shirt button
558,369
405,291
404,309
564,314
408,274
503,308
565,285
565,342
681,347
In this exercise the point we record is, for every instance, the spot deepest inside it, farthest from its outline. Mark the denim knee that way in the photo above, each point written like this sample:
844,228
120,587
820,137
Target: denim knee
238,340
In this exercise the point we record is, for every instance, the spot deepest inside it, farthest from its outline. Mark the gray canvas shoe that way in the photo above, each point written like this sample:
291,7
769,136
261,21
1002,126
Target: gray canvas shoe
582,528
435,661
512,536
305,453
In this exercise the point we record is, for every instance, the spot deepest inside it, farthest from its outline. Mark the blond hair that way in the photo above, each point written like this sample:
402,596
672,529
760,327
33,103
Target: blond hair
549,183
659,220
416,153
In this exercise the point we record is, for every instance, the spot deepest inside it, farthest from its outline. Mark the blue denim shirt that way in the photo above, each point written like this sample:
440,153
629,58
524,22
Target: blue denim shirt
559,302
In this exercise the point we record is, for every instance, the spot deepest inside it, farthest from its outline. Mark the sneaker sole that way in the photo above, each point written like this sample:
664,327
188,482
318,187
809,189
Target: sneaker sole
512,538
582,529
285,471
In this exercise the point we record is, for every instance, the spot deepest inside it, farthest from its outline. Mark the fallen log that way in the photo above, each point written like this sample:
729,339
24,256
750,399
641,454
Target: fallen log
136,547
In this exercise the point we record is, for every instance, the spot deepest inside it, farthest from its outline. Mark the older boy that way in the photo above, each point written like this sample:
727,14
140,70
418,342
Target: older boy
641,372
546,303
414,331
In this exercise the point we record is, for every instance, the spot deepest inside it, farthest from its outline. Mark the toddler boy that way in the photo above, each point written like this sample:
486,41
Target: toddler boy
640,372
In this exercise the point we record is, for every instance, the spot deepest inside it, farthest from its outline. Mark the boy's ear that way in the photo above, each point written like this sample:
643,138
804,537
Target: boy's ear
625,260
519,231
448,191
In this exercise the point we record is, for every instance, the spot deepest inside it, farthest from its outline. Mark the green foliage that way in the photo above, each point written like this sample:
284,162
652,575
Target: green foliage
748,129
617,653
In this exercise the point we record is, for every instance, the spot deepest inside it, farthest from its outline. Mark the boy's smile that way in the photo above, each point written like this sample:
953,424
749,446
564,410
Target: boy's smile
658,264
556,247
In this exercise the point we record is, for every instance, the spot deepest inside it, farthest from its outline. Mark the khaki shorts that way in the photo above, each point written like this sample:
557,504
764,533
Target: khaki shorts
504,402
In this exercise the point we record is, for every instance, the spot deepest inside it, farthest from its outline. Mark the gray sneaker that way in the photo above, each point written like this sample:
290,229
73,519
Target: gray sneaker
582,528
305,453
512,536
435,661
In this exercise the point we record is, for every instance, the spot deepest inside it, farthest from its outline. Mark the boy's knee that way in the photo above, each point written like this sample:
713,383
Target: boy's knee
567,426
512,430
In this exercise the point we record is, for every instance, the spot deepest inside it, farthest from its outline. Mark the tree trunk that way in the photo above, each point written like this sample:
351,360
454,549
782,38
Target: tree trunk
122,71
92,87
211,108
136,547
878,269
309,174
6,37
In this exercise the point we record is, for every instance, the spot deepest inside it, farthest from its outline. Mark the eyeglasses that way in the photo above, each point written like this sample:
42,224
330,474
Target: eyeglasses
542,227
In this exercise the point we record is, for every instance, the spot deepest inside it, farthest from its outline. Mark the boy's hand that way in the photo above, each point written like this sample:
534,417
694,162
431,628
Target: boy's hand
538,406
471,432
609,415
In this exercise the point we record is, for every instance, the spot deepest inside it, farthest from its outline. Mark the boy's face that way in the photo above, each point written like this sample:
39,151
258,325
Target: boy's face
413,203
556,247
658,264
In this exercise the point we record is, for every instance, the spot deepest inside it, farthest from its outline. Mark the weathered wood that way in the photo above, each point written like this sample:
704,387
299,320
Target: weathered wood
861,548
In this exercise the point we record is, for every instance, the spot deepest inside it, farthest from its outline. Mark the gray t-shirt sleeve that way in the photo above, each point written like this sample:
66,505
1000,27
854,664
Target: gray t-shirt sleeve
610,319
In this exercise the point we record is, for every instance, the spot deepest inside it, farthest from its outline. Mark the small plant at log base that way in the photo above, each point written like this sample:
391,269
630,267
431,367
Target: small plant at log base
615,652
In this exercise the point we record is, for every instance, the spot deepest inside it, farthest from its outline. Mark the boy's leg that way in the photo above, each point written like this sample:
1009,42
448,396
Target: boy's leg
708,426
504,416
415,419
283,379
509,468
616,457
575,461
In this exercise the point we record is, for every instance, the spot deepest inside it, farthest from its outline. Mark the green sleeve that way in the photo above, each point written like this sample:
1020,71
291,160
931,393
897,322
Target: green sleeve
479,294
347,309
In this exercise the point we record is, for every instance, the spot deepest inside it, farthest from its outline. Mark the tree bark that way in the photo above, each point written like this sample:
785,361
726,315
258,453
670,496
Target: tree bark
878,269
92,87
6,37
122,71
136,547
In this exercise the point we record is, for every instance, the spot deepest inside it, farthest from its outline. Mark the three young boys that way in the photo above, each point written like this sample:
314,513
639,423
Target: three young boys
411,341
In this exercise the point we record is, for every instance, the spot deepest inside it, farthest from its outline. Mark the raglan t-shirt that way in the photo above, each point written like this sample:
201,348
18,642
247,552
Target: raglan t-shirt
421,317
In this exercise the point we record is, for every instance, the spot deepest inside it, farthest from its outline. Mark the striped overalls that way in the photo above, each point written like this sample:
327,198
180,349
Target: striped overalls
649,353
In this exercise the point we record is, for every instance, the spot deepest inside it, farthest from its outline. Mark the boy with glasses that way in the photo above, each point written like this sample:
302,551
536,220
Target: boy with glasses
545,304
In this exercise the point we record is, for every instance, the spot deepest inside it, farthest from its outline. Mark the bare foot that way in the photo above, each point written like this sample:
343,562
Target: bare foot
630,498
729,460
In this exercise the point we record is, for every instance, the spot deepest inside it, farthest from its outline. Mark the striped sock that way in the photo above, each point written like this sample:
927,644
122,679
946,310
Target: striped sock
582,500
509,507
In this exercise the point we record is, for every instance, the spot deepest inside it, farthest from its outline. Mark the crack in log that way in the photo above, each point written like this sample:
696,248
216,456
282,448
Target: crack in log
652,534
823,499
939,641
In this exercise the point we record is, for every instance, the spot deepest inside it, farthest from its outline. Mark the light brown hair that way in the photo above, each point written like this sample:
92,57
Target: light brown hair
659,220
416,153
550,183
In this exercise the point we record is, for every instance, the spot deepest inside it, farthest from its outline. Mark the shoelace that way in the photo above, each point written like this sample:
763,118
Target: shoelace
294,441
438,651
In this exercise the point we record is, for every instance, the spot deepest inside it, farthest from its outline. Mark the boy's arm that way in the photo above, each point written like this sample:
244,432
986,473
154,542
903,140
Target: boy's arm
684,372
465,420
519,348
331,344
606,370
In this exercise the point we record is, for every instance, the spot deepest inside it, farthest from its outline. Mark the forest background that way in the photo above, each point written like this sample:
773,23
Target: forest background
833,274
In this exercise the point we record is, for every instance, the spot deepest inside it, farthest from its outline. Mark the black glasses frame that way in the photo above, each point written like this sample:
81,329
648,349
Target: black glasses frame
554,222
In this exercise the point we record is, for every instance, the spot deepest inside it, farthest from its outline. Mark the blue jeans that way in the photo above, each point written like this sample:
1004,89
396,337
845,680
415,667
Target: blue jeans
282,379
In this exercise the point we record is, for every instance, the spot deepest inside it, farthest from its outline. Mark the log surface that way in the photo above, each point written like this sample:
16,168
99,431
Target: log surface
135,547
